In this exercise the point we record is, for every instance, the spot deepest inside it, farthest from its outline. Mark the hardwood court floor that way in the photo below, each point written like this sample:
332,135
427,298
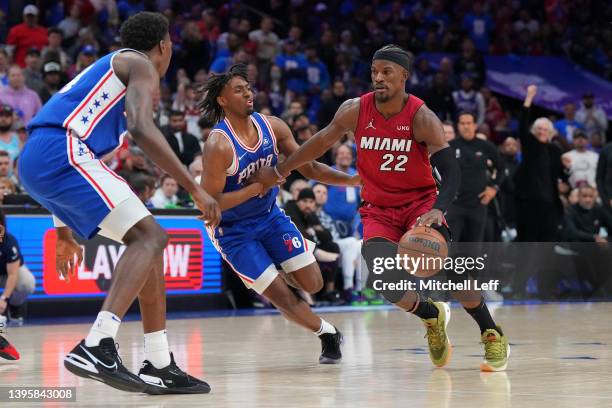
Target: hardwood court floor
561,357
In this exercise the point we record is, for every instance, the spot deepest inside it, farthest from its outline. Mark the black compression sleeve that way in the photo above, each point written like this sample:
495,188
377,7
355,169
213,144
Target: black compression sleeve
445,162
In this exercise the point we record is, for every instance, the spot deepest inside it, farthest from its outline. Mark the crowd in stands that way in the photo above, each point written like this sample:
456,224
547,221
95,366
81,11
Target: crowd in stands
304,59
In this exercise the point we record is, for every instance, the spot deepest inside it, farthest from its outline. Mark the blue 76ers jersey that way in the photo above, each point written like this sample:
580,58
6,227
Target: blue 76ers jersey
91,106
245,163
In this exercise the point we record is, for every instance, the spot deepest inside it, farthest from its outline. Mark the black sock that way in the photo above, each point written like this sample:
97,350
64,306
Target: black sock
482,316
426,310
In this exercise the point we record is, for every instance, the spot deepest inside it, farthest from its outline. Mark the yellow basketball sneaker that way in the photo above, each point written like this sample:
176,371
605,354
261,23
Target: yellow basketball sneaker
497,351
440,348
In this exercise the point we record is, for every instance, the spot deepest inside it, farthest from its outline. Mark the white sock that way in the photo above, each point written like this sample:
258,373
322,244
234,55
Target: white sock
156,348
106,325
326,327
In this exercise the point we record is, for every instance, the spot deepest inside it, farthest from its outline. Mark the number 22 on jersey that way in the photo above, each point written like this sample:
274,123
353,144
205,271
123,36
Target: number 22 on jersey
392,162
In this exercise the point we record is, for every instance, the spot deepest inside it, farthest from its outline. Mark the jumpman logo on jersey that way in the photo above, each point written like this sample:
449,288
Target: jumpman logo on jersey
370,125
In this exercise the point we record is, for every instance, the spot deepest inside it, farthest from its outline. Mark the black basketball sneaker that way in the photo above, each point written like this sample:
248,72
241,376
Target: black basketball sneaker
330,348
170,380
102,363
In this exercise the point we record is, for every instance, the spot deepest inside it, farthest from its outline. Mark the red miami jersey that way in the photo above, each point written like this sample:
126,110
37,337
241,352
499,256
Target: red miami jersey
393,166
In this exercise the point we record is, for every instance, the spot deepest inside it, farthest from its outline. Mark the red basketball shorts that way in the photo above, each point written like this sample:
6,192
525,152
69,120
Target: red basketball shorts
393,222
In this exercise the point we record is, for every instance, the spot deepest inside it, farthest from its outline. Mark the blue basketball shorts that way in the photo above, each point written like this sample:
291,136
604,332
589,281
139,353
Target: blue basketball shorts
255,246
61,173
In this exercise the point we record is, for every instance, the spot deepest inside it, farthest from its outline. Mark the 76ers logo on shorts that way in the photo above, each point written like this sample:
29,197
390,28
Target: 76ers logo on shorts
291,242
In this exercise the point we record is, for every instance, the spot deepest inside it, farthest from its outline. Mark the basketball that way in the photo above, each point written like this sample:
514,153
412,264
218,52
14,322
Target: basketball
423,251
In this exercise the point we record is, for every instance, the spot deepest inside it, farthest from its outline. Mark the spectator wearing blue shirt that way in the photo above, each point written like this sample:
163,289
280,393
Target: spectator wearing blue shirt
16,279
222,63
478,26
4,66
317,76
568,125
9,140
293,66
128,8
316,70
343,202
347,7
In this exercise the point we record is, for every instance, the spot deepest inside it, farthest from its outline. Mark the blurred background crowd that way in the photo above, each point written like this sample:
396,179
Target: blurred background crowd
304,59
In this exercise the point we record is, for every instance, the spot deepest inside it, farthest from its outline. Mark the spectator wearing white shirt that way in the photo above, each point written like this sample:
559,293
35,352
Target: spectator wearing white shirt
165,195
267,41
187,101
526,22
71,23
581,162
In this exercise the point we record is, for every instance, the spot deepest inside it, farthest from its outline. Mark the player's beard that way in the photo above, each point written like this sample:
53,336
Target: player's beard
385,96
381,98
250,111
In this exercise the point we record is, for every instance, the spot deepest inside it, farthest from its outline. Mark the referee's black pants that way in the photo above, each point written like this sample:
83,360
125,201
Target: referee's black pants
467,224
